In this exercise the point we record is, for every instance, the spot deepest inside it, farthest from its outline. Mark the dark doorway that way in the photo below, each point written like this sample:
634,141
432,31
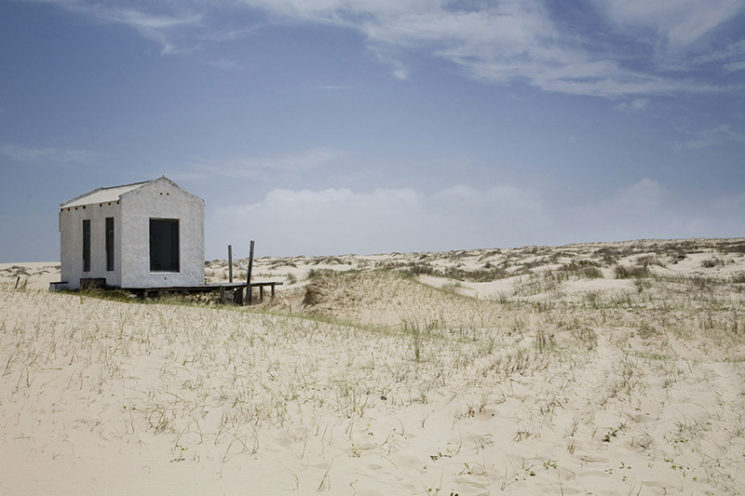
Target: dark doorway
164,245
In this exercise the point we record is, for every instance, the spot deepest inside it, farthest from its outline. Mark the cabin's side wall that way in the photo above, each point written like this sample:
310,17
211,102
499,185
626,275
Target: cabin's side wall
71,243
161,199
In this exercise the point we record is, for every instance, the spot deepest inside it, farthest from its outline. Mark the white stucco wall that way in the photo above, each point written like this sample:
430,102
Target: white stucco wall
161,199
71,243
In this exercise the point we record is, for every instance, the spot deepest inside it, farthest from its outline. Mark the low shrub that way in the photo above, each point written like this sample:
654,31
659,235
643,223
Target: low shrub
631,272
712,262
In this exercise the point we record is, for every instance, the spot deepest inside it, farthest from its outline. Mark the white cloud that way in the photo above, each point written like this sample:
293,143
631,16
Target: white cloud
332,87
730,58
333,221
635,199
162,29
158,29
317,222
226,65
255,167
735,66
640,210
495,42
340,220
634,105
400,71
42,155
708,138
679,22
507,41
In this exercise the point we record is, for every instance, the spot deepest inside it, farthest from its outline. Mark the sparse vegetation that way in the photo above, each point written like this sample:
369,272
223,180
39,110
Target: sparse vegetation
588,269
487,273
712,262
361,375
631,272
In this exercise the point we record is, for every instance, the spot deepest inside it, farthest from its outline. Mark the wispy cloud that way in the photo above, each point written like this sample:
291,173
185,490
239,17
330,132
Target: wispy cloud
165,29
225,65
398,69
332,87
218,33
42,155
501,42
155,28
519,41
677,23
257,167
708,138
634,105
735,66
730,58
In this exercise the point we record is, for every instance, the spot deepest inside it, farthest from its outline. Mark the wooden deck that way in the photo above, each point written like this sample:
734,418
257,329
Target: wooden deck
234,289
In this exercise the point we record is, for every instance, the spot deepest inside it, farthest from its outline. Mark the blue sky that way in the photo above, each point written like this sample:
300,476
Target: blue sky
361,126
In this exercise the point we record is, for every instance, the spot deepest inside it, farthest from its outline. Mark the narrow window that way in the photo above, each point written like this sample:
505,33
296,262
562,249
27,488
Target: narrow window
86,246
164,245
109,243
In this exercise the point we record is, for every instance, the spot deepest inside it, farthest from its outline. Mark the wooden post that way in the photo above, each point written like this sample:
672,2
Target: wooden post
261,293
248,275
230,263
273,290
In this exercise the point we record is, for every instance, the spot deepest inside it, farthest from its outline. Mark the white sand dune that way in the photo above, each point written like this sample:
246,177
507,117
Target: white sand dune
481,372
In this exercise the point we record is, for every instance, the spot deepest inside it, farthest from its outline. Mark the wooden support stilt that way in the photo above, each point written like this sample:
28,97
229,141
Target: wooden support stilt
230,263
273,290
261,293
248,275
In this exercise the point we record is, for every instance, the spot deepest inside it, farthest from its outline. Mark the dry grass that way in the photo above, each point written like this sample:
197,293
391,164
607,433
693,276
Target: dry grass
365,379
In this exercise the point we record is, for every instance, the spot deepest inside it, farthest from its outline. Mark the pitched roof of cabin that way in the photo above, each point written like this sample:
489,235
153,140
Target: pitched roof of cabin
114,193
103,195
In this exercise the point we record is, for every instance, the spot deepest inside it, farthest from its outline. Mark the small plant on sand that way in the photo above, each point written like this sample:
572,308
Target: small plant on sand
592,273
589,269
641,284
416,335
544,341
312,294
712,262
628,272
585,337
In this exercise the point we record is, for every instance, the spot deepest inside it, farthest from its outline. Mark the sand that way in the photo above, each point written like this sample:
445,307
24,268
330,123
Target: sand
389,374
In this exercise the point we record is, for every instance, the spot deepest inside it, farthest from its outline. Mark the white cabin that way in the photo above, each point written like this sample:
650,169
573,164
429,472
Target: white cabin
141,235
